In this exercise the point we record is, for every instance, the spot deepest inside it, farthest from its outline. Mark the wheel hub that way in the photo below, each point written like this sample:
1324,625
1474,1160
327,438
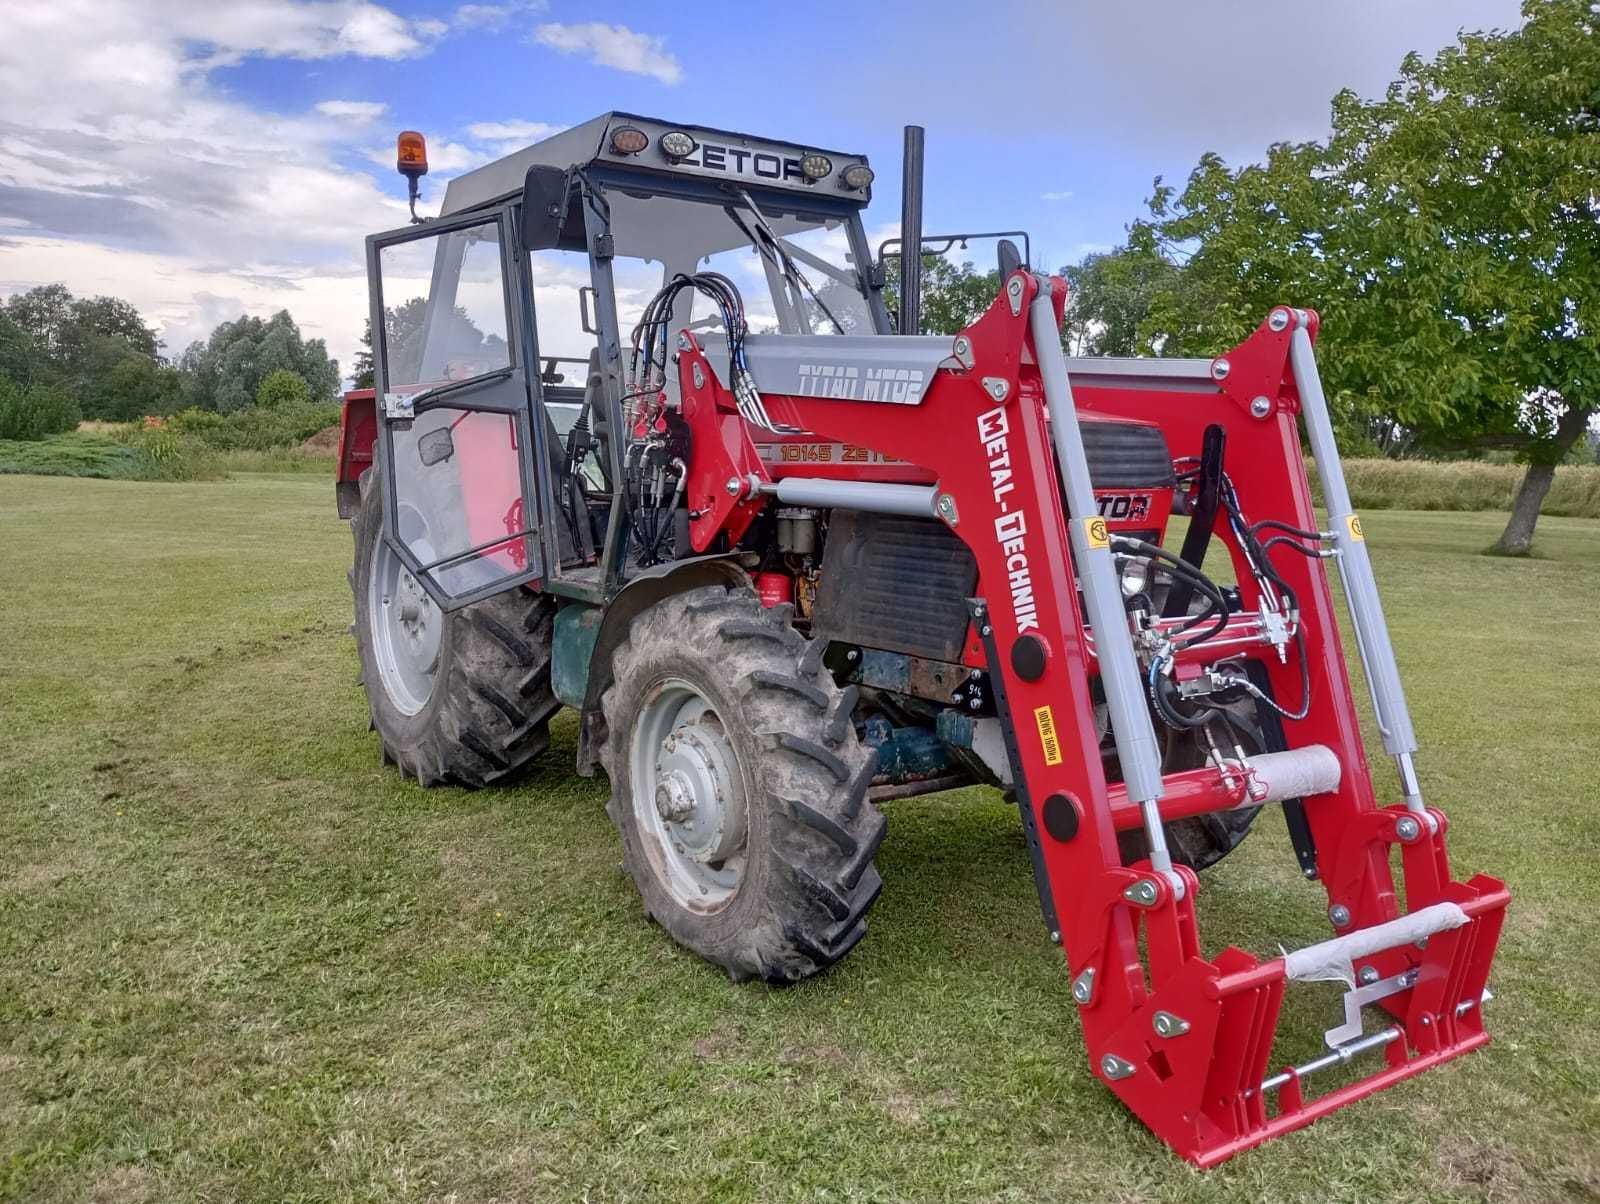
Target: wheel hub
407,631
698,793
415,611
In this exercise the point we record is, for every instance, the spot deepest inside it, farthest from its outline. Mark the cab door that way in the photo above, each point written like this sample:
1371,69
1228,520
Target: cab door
456,446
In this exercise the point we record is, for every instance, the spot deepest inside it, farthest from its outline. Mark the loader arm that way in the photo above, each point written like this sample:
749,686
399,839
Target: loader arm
1184,1041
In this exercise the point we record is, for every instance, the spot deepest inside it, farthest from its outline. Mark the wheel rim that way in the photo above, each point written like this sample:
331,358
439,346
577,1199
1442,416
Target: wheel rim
407,627
688,797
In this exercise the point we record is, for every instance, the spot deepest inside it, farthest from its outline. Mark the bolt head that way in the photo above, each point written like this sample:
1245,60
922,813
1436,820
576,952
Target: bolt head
1220,367
974,703
732,486
1260,407
1368,975
1406,828
1339,915
1278,319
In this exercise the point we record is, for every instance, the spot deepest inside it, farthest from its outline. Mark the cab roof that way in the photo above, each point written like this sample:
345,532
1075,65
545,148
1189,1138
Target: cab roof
717,155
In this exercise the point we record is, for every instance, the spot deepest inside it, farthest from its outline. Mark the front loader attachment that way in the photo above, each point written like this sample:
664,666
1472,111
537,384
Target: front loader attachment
1185,1040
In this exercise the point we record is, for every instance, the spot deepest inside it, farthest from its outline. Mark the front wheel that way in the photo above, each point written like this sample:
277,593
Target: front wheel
462,696
740,788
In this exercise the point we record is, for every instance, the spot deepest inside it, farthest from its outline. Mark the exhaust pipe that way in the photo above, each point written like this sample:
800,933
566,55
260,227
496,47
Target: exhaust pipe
911,233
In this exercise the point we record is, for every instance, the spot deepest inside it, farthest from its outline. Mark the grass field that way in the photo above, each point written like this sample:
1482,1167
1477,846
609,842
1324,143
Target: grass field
240,961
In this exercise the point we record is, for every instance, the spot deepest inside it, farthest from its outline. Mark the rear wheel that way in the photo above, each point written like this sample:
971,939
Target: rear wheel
739,786
458,697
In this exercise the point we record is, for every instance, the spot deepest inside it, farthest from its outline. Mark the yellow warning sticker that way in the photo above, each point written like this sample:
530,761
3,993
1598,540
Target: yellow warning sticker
1094,530
1354,523
1047,735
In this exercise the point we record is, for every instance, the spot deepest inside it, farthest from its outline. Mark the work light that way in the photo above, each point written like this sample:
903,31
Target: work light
628,140
858,176
675,144
816,167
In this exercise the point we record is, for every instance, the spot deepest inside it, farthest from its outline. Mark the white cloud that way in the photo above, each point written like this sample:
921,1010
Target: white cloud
613,46
124,170
493,16
1055,196
507,131
353,110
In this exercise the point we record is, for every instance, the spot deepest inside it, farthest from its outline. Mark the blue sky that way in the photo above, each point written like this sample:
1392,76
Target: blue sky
208,159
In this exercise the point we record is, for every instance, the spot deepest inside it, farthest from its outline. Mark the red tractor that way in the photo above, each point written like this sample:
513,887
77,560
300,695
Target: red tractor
646,442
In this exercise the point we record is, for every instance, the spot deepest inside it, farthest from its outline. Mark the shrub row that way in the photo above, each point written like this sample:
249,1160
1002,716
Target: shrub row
256,428
36,412
1466,485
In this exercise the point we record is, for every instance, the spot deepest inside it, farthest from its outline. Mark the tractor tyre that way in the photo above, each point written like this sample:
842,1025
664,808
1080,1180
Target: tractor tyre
1200,841
462,696
740,787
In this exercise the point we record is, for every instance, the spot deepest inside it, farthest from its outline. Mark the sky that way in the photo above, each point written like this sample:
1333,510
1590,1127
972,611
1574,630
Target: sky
209,158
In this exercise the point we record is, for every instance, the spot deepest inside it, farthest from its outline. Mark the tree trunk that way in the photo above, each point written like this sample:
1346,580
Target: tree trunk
1517,538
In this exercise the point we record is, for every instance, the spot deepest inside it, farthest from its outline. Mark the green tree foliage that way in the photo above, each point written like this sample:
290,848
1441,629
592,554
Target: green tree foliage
1109,298
35,411
18,359
97,349
1449,232
953,295
363,374
225,372
282,389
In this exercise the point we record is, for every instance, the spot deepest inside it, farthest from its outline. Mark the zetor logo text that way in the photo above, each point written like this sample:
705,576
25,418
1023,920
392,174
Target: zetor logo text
1010,526
741,161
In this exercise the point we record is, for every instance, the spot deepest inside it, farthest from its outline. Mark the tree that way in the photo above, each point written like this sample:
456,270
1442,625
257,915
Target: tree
953,296
1109,297
1474,225
44,313
98,349
1450,234
35,412
225,372
282,389
133,387
364,376
18,359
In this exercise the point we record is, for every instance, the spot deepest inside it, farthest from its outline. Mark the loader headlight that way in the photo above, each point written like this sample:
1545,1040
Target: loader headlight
816,167
1135,576
675,144
858,176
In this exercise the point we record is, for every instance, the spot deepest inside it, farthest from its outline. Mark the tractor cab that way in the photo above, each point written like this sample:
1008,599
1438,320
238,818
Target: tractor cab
502,328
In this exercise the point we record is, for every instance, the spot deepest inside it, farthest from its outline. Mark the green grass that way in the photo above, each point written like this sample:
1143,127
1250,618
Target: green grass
241,961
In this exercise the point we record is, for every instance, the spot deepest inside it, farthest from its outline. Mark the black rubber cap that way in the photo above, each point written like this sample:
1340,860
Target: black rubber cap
1061,817
1028,657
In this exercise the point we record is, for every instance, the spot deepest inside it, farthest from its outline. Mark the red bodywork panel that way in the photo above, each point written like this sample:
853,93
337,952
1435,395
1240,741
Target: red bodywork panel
1200,1091
358,433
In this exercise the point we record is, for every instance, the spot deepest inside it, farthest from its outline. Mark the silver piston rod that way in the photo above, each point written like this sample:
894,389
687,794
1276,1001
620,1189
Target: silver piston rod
1355,566
1131,728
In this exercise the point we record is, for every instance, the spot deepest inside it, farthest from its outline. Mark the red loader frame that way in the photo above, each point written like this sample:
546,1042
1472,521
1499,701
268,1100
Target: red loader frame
1184,1041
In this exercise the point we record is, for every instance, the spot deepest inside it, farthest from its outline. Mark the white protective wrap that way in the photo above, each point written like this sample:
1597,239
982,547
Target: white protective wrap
1297,773
1330,961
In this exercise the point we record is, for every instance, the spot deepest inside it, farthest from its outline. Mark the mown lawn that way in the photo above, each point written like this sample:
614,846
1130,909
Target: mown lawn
241,961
